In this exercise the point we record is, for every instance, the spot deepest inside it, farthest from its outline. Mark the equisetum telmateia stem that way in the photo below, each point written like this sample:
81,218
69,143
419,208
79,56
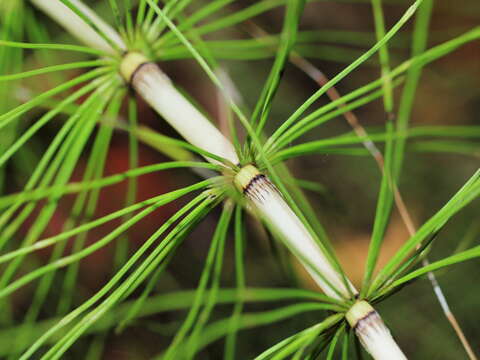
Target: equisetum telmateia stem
77,27
372,332
159,92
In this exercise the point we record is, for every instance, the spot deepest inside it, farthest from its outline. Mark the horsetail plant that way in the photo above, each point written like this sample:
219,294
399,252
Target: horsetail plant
248,174
155,87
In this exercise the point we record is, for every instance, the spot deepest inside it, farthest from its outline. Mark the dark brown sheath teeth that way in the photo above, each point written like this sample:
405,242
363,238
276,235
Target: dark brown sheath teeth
258,187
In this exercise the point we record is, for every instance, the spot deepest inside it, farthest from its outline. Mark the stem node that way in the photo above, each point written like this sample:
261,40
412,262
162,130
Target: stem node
372,332
130,64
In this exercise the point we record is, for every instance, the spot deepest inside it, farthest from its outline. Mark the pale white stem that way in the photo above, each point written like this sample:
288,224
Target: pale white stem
159,92
373,333
79,28
273,208
157,89
147,79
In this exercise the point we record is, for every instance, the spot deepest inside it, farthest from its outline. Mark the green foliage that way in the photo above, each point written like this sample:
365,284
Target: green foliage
84,103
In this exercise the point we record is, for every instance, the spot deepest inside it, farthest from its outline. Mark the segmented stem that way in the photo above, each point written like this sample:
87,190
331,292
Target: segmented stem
373,333
272,207
159,92
75,25
157,89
